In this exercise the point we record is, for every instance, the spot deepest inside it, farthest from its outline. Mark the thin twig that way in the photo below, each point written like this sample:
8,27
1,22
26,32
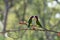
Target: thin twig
13,30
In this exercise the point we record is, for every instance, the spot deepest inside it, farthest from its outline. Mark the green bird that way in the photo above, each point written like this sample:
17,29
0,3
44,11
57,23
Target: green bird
38,23
30,21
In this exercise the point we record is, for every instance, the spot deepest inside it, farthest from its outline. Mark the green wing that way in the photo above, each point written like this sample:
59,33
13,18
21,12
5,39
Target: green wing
30,21
38,23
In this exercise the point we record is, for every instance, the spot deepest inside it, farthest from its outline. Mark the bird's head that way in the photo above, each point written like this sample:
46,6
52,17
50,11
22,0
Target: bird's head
36,17
31,17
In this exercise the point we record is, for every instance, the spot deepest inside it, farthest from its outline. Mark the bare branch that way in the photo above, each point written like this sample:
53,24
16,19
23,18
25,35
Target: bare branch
14,30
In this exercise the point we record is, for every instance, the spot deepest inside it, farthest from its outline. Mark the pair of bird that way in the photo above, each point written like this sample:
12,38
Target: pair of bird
37,22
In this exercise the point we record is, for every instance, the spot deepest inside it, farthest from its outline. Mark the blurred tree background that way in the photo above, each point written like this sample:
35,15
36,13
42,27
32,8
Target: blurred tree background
14,11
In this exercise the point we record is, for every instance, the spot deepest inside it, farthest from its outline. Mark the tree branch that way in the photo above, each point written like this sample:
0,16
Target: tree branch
5,14
14,30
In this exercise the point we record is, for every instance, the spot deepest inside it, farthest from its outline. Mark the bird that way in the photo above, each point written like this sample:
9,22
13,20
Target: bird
38,23
30,21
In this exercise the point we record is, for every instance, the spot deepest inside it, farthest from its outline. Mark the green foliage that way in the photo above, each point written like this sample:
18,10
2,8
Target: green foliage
33,7
1,17
1,37
58,38
11,21
30,1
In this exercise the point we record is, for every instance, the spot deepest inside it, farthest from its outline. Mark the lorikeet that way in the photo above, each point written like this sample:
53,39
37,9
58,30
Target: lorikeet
38,23
30,21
